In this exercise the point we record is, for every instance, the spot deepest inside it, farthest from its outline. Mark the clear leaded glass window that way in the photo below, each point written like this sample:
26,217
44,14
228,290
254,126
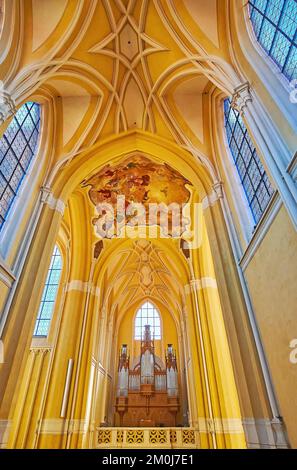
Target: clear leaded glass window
17,148
147,315
275,26
255,182
49,295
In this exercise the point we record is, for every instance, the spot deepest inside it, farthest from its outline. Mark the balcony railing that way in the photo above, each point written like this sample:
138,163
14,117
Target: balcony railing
169,438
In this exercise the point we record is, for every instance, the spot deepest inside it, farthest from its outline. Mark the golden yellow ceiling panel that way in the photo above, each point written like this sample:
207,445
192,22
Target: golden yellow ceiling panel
133,56
140,180
142,270
205,15
46,16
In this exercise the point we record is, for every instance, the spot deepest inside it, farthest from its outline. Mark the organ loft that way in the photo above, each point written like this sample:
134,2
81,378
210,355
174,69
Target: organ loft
147,393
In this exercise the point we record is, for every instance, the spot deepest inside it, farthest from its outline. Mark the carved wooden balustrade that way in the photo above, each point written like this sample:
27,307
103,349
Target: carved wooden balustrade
169,438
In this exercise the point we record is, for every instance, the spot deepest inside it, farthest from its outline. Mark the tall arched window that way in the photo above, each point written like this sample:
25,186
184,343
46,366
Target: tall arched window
275,26
255,182
17,148
147,315
49,295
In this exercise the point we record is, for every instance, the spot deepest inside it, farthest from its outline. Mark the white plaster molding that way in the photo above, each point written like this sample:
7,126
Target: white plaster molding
31,77
101,369
202,283
264,433
209,200
259,433
152,93
7,106
6,275
48,198
5,426
224,77
261,230
241,97
63,426
82,286
220,425
218,189
78,426
292,167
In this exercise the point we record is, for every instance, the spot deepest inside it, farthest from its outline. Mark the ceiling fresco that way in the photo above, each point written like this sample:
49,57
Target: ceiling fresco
140,180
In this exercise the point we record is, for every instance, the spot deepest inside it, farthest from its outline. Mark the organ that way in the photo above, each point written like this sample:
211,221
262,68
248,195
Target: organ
147,394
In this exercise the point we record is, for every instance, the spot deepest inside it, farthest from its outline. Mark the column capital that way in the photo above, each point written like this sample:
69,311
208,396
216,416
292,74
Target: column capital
184,320
7,106
202,283
241,97
218,189
103,312
45,193
46,197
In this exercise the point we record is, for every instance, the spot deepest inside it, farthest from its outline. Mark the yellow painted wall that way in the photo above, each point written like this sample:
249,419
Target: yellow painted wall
271,276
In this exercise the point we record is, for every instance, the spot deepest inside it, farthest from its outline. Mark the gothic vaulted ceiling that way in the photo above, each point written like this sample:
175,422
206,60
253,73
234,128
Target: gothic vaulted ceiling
139,270
118,65
115,66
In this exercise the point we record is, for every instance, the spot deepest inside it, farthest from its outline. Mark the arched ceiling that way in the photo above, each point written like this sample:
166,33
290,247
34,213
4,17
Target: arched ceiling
110,68
142,269
127,270
117,65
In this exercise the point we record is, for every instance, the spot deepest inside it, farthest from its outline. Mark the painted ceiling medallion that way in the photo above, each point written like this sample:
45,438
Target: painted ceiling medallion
139,180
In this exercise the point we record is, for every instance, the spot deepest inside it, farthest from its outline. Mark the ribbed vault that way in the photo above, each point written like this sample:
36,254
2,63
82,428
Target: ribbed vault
110,66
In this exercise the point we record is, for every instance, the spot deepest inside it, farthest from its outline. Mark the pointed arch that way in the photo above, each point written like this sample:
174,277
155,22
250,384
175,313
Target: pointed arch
147,314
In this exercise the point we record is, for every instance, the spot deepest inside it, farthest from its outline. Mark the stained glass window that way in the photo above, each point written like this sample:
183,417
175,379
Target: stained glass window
255,182
49,295
147,315
17,148
275,26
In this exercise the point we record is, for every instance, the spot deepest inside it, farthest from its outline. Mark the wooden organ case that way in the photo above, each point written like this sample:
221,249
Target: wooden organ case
147,395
